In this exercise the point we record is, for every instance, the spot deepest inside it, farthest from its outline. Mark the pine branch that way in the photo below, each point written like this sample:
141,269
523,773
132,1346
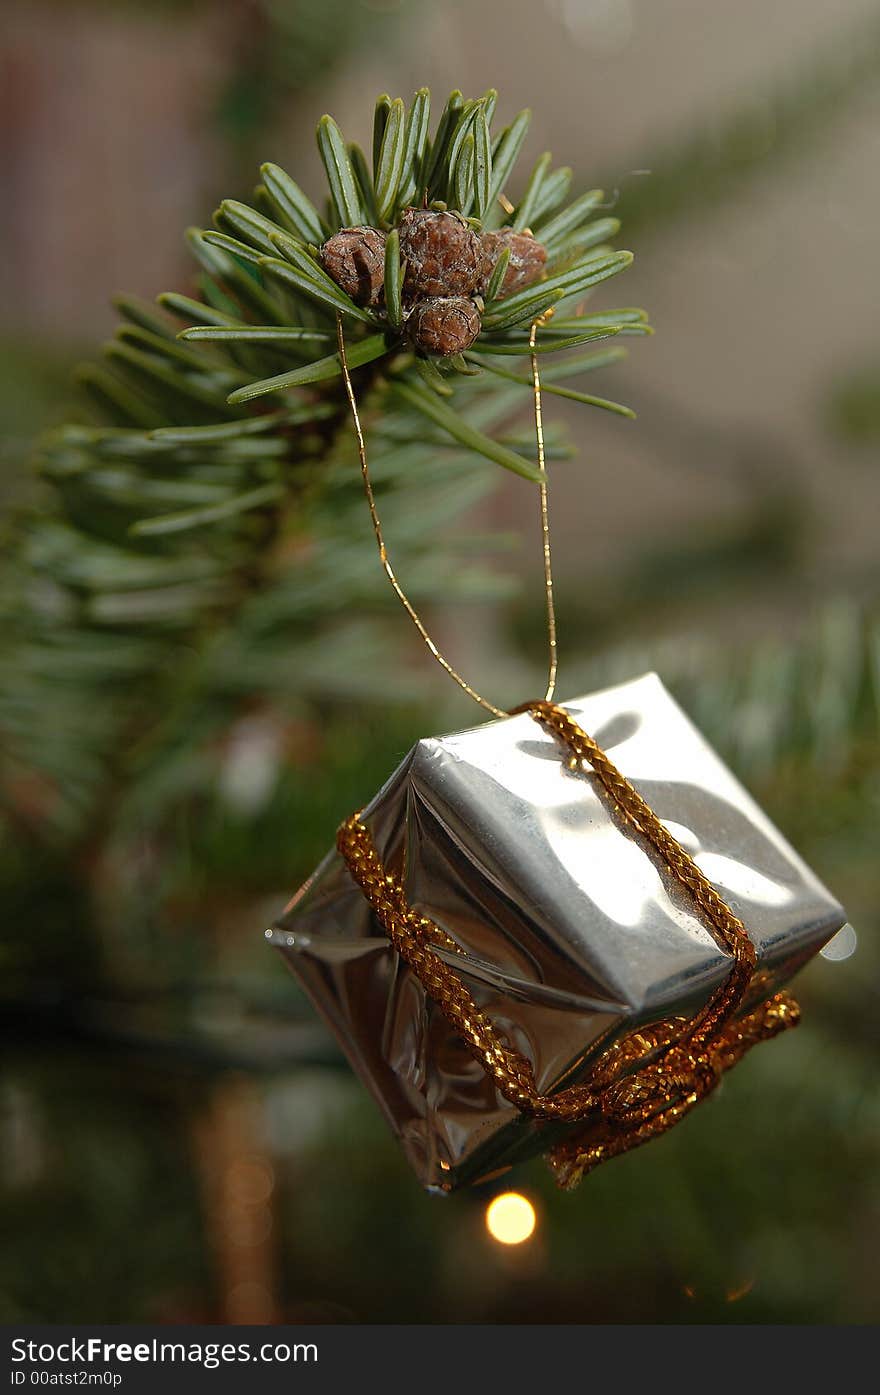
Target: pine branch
208,521
689,177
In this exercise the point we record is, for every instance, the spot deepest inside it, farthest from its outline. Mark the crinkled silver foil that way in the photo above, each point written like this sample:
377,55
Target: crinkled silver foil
573,930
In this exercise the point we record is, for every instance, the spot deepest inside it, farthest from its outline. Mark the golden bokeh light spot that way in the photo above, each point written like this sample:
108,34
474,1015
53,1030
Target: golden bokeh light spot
510,1218
738,1291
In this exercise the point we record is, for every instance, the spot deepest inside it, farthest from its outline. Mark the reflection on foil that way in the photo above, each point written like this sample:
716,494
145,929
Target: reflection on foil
842,946
734,878
570,929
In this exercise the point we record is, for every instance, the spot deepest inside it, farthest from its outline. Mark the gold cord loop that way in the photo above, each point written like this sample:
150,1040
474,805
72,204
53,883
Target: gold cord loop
401,595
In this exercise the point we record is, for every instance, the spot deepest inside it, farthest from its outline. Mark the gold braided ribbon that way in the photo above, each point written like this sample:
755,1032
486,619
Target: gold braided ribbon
649,1080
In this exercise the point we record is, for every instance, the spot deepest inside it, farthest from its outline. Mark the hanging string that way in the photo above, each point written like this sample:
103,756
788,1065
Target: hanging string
401,595
545,517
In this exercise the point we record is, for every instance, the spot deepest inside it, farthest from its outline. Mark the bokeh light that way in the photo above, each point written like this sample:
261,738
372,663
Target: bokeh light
511,1218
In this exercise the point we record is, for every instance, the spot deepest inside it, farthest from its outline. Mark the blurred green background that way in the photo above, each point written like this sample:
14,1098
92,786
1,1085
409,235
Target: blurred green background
180,1139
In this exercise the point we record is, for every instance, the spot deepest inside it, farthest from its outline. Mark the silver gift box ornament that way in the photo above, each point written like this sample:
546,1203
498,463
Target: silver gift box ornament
570,933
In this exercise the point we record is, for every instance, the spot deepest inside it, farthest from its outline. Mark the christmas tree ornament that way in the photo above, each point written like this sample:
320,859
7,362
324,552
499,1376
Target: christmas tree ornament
515,961
557,931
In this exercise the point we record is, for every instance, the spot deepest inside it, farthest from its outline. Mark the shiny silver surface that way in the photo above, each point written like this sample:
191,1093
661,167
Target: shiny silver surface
573,930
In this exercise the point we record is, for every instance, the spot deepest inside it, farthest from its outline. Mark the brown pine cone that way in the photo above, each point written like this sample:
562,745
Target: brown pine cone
527,259
444,325
442,254
355,259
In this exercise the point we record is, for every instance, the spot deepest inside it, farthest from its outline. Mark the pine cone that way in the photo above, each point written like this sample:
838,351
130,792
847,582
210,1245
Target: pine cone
444,325
355,259
442,254
527,259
